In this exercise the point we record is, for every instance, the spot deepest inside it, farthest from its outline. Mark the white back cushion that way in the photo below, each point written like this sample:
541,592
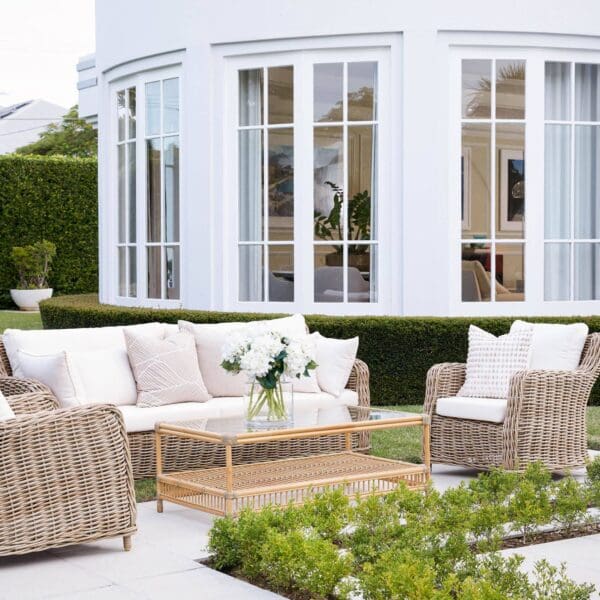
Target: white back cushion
52,341
6,412
335,359
492,361
554,346
210,339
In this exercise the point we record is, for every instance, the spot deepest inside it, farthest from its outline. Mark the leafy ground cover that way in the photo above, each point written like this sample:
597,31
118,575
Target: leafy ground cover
410,544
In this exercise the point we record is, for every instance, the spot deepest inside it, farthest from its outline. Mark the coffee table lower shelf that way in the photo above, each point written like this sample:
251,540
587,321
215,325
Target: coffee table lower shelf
284,481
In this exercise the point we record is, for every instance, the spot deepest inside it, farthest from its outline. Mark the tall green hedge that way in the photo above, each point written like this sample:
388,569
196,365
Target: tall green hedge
53,198
398,350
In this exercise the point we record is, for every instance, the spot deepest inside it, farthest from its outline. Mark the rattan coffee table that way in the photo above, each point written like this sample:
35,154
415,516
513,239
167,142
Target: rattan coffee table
227,489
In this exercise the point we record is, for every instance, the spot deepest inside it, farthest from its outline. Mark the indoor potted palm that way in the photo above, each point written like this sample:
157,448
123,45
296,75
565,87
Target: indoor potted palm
33,266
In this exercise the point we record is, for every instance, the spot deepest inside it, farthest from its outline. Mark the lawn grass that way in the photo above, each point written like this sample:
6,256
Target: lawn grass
14,319
398,444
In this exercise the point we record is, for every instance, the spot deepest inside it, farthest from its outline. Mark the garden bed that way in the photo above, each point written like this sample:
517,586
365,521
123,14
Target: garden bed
414,545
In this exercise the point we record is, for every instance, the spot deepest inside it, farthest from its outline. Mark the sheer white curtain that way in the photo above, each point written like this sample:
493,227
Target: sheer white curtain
251,185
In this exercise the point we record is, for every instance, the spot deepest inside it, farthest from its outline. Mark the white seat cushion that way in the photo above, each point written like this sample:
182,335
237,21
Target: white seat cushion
145,418
492,410
6,412
554,346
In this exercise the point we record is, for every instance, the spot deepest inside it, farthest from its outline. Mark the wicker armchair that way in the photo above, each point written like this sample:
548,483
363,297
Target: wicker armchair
65,475
545,419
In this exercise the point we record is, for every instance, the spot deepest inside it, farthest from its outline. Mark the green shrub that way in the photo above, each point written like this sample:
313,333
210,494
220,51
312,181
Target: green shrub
398,350
52,198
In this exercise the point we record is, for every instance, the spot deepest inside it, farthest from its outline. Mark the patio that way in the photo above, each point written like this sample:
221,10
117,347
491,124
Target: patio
166,549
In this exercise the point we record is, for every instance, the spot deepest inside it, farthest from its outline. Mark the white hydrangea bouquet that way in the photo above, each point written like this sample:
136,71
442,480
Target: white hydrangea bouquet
266,357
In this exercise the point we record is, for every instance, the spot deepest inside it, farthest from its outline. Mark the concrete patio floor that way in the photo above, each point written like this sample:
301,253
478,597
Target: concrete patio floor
163,561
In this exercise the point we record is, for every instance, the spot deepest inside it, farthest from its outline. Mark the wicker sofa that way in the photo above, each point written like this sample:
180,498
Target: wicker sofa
65,475
179,454
545,418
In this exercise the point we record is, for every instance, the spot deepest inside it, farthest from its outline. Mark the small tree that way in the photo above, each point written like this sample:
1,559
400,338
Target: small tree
72,137
33,264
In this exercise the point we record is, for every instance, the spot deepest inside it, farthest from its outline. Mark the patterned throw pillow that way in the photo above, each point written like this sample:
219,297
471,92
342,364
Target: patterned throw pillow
492,361
166,371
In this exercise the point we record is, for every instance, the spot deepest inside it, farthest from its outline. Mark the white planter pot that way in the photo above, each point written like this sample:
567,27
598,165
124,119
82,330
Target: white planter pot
30,299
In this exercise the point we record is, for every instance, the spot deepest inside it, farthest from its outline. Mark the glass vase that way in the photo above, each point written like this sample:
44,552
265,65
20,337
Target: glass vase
269,408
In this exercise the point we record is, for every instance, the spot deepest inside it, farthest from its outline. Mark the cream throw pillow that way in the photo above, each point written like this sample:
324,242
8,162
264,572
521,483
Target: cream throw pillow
492,361
165,371
6,412
335,359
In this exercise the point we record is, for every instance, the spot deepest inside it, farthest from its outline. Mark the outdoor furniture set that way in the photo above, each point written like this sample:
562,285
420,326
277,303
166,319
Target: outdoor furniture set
68,460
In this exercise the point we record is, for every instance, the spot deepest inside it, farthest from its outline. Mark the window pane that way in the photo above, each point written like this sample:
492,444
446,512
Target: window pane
251,185
362,263
132,114
329,273
281,95
586,271
510,173
132,271
171,105
587,182
510,278
476,89
557,181
131,186
251,97
281,273
328,92
328,182
154,271
510,89
476,272
122,192
476,171
172,279
251,286
281,184
361,175
587,93
557,281
153,108
558,91
171,165
121,115
153,199
122,271
362,85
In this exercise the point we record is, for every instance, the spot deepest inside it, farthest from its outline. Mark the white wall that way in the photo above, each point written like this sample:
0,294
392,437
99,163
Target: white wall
136,35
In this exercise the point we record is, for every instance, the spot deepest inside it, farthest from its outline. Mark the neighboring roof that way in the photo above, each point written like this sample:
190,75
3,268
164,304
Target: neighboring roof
9,110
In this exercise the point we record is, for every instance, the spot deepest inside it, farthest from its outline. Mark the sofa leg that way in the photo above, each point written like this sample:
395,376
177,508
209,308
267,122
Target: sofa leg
127,543
159,505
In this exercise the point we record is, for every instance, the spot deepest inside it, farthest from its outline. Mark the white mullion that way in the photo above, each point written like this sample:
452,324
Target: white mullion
345,154
493,185
572,188
265,158
163,254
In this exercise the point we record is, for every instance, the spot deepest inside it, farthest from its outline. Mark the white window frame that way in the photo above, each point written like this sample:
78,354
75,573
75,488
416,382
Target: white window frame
138,81
303,181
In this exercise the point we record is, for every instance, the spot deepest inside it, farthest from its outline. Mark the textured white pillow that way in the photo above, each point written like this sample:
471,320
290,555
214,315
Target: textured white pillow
554,346
166,371
53,371
210,340
335,359
52,341
6,412
492,361
102,377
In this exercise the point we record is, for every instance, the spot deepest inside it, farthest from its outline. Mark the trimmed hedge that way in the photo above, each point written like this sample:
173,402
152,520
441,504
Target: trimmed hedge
52,198
398,350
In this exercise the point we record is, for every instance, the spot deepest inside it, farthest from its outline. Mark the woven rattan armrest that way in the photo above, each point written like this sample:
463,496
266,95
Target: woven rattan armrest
11,386
443,380
33,402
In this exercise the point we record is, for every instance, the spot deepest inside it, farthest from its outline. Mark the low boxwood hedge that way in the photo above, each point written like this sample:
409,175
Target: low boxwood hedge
398,350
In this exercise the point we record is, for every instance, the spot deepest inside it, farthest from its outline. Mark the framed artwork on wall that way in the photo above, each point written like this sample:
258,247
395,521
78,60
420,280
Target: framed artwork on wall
512,190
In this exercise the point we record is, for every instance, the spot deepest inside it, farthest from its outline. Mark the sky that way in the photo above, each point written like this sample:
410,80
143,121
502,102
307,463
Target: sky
40,44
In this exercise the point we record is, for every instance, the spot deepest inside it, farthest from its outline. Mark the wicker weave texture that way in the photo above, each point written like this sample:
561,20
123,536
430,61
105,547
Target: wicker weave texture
65,478
545,420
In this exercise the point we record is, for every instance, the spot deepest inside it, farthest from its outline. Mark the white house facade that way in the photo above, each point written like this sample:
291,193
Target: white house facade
348,157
